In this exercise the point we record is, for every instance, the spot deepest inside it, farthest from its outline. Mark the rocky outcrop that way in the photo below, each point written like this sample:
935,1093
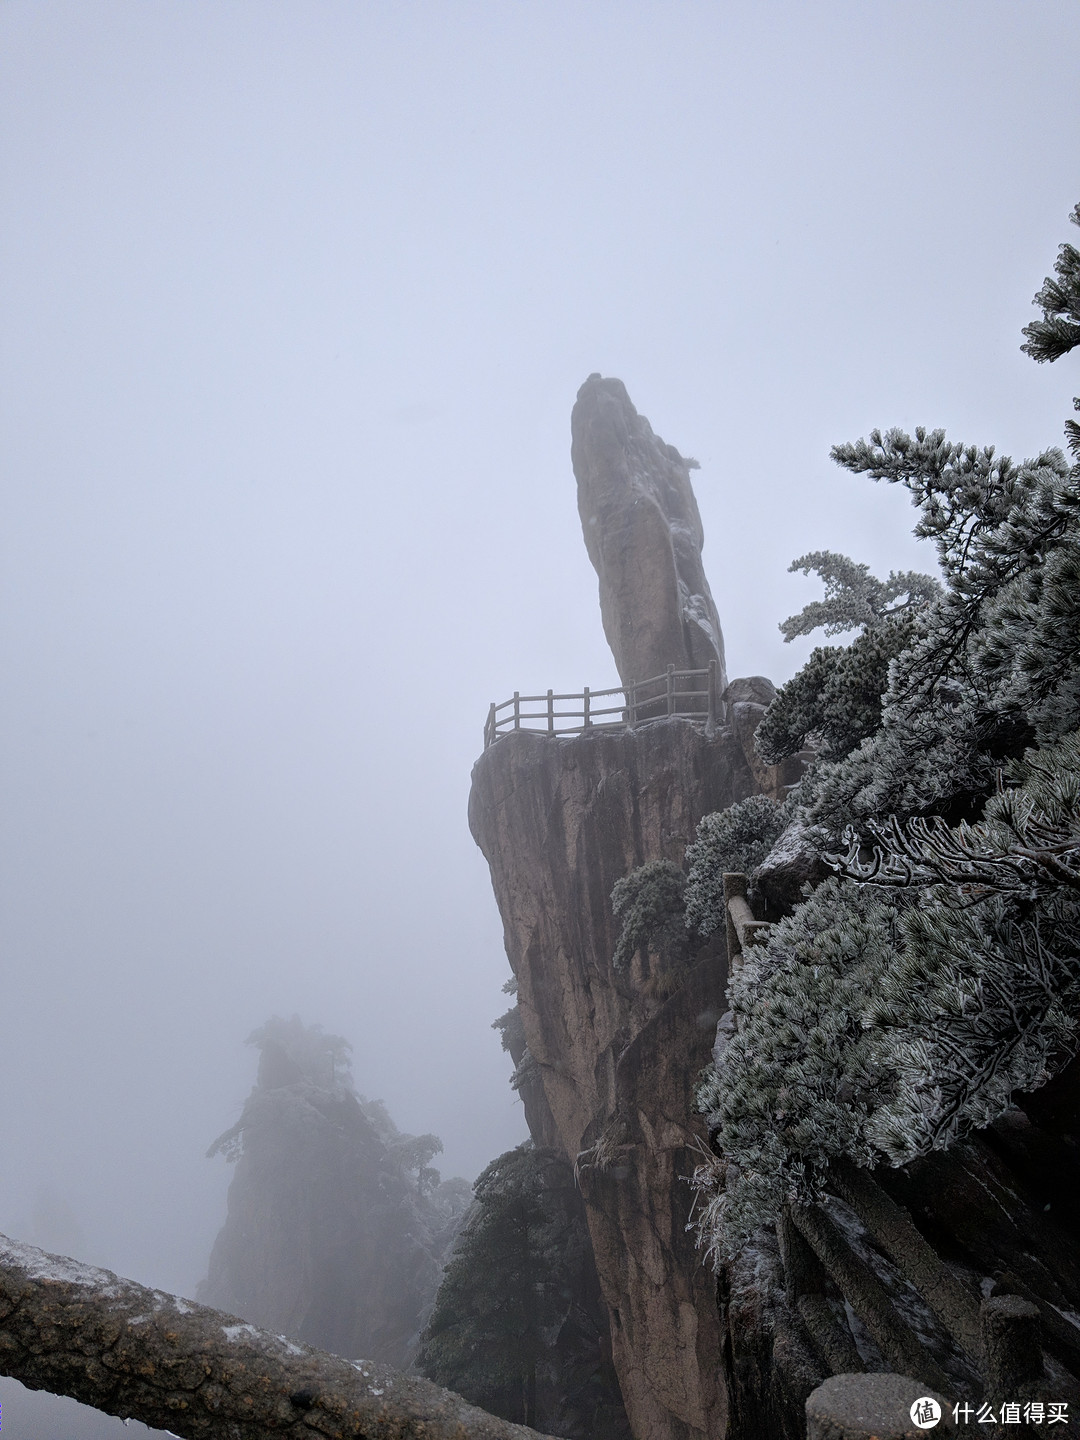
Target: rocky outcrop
337,1226
607,1060
644,537
560,820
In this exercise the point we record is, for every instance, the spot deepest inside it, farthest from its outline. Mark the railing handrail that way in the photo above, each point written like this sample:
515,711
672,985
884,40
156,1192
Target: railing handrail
638,704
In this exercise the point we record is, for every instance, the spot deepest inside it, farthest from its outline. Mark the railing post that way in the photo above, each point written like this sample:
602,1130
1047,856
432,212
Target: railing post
551,714
712,694
489,728
631,704
671,689
517,711
585,710
734,887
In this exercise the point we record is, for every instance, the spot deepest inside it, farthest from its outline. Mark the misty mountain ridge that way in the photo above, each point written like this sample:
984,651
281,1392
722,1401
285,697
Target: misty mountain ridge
338,1225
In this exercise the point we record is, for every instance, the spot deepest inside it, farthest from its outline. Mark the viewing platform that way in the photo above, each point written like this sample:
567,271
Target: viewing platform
691,694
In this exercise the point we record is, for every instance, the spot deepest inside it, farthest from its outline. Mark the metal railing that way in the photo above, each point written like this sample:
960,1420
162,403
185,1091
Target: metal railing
692,694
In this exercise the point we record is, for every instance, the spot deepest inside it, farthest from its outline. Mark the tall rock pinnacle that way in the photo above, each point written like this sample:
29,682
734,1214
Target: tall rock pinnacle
644,538
615,1051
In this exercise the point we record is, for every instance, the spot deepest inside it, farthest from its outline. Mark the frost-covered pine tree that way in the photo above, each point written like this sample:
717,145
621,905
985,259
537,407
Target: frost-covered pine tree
902,1004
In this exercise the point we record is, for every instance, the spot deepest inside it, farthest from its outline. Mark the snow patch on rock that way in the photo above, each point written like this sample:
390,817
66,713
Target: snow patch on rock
233,1333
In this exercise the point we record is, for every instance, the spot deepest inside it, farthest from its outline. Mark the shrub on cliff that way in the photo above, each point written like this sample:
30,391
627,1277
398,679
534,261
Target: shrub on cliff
663,908
834,701
797,1081
650,904
732,840
985,999
991,665
901,1006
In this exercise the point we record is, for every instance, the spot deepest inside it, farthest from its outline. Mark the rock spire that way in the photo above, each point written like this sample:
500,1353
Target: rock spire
644,538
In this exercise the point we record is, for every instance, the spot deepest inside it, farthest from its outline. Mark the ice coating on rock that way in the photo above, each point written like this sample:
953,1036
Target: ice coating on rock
644,537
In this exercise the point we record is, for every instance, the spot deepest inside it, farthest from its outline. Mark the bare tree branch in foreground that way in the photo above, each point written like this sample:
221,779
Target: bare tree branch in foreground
177,1366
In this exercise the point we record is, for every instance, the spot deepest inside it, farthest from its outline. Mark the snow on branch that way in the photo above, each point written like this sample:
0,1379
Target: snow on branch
182,1367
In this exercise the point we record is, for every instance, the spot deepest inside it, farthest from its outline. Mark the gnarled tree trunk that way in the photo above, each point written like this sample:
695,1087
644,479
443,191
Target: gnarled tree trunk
174,1365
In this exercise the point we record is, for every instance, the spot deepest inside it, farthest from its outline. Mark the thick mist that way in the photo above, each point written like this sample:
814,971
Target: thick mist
294,302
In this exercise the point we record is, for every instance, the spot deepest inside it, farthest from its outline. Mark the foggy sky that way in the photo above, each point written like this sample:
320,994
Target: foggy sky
294,302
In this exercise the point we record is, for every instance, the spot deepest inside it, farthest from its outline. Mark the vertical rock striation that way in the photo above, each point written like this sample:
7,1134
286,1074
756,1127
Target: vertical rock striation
560,821
644,537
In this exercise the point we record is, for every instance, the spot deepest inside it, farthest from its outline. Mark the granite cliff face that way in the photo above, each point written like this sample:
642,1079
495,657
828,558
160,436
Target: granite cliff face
643,534
613,1057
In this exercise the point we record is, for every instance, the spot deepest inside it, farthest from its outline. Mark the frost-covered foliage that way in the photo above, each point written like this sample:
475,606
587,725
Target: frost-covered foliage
901,1006
855,599
526,1068
834,701
1058,331
932,764
649,902
662,908
979,671
985,998
733,840
996,525
511,1030
797,1082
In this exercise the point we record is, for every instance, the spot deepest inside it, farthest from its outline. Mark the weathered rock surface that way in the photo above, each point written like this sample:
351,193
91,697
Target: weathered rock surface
560,821
607,1061
871,1407
644,537
768,1361
744,703
794,861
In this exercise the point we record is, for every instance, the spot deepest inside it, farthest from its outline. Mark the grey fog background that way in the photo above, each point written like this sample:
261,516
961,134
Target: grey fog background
296,297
